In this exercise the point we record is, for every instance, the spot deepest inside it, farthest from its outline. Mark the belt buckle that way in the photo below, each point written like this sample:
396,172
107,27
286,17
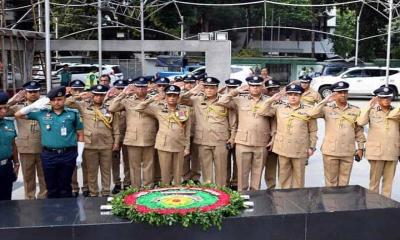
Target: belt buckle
3,162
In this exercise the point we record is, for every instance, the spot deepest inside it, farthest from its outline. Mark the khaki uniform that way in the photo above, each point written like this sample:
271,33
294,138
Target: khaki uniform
295,134
116,159
232,172
191,163
101,131
139,138
173,138
382,147
311,97
212,131
29,148
252,136
73,102
338,147
271,165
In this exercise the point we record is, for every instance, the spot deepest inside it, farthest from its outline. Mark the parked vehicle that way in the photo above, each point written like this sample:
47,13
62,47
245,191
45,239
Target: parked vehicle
185,70
363,81
237,72
80,71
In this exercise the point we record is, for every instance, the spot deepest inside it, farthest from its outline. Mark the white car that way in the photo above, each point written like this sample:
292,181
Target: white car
237,72
80,71
363,81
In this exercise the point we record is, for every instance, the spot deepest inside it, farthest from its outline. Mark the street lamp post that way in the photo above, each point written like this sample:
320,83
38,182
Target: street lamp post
99,37
358,35
389,39
142,3
47,40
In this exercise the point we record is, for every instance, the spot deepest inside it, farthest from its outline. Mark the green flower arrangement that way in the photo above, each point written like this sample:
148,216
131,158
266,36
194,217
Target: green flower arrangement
191,204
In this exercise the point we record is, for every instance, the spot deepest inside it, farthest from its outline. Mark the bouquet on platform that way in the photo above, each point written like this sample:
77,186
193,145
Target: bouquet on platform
191,204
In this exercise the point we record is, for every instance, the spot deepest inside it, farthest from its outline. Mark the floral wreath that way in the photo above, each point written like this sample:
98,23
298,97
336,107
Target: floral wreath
190,204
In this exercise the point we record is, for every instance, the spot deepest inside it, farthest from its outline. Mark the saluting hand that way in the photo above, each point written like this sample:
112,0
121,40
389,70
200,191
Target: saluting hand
243,88
331,97
160,96
128,89
18,97
373,102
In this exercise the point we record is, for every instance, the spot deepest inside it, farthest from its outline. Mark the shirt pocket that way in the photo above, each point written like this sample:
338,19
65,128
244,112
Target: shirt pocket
242,135
87,137
373,148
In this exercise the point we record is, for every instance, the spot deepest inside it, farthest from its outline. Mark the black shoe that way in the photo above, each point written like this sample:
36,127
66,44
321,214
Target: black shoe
233,187
306,162
197,182
126,187
75,194
105,195
185,182
86,193
117,189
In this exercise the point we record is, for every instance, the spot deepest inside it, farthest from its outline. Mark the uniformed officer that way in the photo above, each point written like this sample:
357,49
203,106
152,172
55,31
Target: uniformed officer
173,136
382,147
253,132
309,97
341,133
101,131
76,89
119,86
191,163
28,141
60,129
212,130
160,84
295,138
9,163
232,172
271,165
140,132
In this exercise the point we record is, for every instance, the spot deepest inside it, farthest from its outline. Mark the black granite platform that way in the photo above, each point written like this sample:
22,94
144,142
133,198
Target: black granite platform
311,213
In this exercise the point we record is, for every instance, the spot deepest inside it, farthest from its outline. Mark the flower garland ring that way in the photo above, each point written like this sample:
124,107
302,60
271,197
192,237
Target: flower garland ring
205,205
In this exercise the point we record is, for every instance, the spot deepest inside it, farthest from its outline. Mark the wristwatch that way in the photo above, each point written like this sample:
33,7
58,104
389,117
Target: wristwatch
313,148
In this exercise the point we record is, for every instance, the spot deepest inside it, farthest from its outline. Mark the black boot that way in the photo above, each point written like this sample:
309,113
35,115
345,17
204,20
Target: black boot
117,189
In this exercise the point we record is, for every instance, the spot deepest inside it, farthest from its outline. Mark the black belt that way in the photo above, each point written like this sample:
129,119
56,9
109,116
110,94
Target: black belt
60,150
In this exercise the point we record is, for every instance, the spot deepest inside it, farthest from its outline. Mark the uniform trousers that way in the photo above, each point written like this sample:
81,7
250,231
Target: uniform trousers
75,183
213,157
191,164
58,168
291,172
31,166
171,162
98,158
385,170
337,170
116,163
250,161
7,177
232,172
141,158
271,166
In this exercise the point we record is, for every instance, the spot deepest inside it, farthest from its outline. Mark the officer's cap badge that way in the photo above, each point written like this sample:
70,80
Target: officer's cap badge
341,84
293,87
386,89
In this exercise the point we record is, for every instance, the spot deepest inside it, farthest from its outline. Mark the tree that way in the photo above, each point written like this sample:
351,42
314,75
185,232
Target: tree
346,26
